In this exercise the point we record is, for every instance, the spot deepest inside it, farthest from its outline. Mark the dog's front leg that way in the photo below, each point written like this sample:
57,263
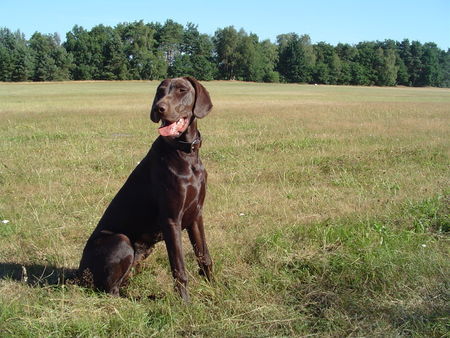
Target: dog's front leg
198,241
172,237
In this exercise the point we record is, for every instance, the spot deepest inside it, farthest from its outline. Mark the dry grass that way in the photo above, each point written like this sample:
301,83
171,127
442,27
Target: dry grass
327,210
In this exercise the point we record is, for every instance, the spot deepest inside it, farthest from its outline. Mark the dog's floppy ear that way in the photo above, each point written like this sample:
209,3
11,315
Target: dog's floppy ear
154,116
203,104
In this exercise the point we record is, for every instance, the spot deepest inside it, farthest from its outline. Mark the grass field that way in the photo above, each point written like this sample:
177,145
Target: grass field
327,211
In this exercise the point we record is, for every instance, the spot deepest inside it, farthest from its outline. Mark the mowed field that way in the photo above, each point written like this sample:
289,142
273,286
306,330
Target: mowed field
327,211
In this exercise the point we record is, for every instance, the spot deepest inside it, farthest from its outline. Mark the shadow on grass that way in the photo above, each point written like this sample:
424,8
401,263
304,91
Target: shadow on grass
37,274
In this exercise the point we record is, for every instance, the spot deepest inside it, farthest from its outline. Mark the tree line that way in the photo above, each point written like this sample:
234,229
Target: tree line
148,51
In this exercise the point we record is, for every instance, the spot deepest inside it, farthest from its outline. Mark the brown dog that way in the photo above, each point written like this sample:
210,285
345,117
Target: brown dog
163,195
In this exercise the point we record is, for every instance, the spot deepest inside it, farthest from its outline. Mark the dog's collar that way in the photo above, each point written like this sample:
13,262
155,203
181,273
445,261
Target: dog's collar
184,146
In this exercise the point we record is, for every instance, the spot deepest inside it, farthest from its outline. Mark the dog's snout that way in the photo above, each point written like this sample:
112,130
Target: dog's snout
161,107
159,110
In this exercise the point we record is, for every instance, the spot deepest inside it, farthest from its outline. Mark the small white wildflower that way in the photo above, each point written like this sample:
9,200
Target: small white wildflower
241,214
424,245
5,221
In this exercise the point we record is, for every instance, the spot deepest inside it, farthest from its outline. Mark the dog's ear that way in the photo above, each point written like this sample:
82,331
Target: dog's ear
154,116
203,104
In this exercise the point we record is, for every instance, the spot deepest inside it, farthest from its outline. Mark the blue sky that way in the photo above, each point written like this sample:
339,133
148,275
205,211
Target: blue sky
347,21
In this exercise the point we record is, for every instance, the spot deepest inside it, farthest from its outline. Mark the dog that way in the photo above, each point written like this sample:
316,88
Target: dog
162,196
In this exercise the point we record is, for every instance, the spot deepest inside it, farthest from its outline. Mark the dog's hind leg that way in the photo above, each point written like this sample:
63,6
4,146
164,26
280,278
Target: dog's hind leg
108,258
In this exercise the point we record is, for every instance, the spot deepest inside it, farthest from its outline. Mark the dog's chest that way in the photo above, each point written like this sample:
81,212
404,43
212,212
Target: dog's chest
192,190
191,171
191,176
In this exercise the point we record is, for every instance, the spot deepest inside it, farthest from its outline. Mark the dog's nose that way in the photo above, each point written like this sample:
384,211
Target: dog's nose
161,107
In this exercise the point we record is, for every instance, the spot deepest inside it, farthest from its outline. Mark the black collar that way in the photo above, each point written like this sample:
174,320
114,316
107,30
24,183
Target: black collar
184,146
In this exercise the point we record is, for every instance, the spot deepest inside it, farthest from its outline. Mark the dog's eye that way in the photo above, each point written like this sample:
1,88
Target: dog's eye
182,90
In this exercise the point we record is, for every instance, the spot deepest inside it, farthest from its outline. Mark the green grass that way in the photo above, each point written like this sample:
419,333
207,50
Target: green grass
327,211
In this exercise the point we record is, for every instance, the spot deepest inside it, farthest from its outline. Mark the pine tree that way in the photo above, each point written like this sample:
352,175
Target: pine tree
296,58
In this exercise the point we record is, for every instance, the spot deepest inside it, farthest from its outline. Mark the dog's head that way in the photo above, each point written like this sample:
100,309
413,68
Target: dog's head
177,102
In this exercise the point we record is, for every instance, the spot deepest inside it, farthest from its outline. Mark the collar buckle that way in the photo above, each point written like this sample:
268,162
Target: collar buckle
197,141
187,147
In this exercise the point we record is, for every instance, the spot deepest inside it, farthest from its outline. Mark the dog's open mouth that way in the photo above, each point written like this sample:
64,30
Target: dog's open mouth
173,128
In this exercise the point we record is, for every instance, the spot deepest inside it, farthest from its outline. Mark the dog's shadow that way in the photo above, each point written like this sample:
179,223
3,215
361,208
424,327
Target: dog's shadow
37,274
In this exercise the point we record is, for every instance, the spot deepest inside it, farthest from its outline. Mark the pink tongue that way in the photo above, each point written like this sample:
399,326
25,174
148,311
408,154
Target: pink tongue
170,130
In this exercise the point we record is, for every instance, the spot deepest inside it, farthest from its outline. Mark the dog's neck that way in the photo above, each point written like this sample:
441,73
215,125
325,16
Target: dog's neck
191,133
190,141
